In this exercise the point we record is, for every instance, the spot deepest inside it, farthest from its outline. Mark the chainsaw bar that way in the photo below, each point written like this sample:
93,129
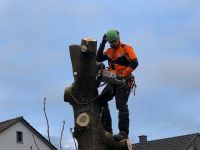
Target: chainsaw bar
110,77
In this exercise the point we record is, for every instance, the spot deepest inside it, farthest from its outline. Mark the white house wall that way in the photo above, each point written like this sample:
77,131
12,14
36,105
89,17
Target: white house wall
8,139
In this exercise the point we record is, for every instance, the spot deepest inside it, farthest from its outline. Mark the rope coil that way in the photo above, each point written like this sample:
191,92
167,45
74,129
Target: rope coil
77,101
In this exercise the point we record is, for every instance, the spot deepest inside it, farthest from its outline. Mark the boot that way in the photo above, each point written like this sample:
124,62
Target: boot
123,123
122,135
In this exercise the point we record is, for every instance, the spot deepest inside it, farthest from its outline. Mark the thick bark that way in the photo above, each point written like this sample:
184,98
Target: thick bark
83,96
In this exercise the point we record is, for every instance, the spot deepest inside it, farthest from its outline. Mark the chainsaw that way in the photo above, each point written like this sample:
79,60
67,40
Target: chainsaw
108,77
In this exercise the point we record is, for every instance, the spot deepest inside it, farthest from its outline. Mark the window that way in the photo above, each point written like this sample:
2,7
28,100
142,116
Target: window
19,137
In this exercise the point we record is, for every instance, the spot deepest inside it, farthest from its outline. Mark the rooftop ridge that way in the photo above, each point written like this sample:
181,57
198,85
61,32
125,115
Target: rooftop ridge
8,123
17,118
173,137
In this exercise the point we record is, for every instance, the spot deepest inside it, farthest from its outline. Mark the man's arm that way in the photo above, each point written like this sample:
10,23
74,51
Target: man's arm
100,55
133,62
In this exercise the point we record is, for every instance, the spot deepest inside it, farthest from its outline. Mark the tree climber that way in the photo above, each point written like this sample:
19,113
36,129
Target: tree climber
122,61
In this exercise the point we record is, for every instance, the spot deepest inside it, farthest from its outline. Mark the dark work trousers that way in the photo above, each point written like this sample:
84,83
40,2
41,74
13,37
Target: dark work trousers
121,94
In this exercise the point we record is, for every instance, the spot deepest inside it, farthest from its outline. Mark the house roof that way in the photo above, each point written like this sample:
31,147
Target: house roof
173,143
8,123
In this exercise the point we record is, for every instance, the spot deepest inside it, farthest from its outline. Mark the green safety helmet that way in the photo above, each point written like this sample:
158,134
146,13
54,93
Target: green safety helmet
112,35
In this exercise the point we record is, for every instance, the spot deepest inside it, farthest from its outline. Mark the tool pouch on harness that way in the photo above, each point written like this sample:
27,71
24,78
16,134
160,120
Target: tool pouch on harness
130,83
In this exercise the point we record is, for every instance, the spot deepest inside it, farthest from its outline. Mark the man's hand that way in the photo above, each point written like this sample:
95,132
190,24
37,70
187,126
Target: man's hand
104,40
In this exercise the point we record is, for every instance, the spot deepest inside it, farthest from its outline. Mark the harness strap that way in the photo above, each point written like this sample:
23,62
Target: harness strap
134,85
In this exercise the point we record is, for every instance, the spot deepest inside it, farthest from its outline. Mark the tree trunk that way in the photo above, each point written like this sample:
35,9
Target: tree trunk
83,96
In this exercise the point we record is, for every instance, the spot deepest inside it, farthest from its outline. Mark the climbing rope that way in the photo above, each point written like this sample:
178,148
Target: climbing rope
77,101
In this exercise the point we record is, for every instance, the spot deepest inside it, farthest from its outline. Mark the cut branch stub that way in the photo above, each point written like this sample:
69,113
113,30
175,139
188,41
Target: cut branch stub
75,51
67,95
83,119
126,143
117,145
130,146
88,49
89,45
83,59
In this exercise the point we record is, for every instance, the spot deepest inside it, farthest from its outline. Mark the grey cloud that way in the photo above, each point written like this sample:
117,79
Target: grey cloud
163,114
167,98
181,73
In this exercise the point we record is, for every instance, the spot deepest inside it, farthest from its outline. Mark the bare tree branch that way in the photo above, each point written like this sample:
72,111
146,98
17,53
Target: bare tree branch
62,135
73,138
47,120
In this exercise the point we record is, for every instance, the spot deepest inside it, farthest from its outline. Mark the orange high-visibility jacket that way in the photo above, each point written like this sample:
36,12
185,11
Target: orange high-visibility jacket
121,61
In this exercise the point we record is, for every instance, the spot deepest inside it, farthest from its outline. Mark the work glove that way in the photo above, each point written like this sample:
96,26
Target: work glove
104,40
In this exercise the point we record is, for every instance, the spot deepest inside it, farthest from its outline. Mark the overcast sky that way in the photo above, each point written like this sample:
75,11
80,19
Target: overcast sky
35,63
